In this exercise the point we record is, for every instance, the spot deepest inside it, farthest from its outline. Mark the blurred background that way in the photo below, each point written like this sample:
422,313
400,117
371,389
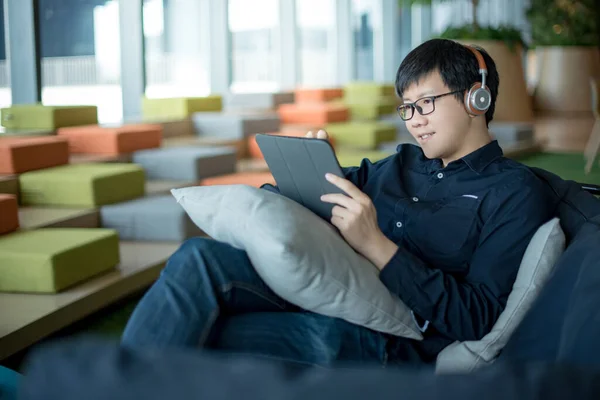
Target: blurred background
196,47
108,104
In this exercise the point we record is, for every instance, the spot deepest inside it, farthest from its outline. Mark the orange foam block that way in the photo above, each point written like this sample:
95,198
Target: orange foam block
315,113
95,139
256,179
317,95
22,154
300,129
255,152
9,213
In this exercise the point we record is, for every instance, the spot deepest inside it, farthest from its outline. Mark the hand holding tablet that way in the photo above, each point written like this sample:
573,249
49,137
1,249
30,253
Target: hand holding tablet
299,165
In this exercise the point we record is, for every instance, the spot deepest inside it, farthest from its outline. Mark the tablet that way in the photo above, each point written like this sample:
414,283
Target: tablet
299,166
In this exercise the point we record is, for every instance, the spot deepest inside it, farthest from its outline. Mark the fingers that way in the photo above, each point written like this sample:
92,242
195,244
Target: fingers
340,212
348,187
341,200
321,134
337,222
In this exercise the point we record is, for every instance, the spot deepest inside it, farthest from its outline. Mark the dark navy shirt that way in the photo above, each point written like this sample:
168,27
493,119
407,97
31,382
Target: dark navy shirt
461,230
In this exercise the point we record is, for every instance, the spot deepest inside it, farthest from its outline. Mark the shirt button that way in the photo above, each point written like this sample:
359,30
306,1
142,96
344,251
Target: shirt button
399,224
440,175
415,199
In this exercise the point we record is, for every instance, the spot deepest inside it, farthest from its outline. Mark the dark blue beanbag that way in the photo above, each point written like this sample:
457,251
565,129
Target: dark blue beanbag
564,323
9,381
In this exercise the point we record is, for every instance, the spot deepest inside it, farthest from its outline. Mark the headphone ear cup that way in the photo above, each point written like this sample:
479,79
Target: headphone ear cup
477,100
468,102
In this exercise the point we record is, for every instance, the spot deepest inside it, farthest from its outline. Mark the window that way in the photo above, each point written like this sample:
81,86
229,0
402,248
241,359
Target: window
5,93
316,21
362,15
175,65
81,55
254,35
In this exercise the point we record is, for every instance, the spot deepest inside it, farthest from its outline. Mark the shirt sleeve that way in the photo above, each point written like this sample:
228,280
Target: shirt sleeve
359,175
466,307
270,188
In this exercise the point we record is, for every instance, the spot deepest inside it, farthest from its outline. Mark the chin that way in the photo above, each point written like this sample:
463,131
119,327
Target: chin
431,154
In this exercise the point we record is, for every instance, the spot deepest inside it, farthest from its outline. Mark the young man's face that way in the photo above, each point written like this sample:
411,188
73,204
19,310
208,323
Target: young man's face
443,132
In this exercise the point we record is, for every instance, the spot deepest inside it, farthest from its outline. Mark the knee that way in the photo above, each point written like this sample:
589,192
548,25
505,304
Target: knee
189,256
196,255
195,245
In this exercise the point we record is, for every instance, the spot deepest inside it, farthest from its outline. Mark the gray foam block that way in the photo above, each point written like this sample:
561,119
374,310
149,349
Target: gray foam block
512,132
269,101
186,163
232,126
155,218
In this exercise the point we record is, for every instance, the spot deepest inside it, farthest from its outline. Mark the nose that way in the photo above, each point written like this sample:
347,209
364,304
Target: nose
418,120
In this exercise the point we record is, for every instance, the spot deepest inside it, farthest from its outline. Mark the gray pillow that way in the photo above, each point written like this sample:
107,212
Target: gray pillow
300,256
542,253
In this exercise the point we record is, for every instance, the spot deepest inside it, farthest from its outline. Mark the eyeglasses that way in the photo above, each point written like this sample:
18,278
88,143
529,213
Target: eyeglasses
425,105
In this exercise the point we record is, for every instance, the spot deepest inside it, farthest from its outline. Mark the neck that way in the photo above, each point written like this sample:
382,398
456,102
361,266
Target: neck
474,140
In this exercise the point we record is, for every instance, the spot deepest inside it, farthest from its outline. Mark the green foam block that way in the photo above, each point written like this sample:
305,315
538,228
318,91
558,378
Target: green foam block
350,158
361,91
179,107
372,110
363,135
82,185
38,116
50,260
26,132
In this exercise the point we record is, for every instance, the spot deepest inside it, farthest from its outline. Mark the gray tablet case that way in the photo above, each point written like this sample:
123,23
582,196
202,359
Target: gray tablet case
299,166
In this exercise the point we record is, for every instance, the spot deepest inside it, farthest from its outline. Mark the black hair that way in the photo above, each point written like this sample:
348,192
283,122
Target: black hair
456,64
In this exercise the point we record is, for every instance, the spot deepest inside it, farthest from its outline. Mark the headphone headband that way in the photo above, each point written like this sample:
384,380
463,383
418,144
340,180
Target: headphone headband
480,59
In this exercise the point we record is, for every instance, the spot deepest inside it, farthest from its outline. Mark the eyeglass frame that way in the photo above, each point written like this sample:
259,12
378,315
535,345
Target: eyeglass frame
433,99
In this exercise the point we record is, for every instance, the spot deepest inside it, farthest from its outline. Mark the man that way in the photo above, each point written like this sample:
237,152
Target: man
446,222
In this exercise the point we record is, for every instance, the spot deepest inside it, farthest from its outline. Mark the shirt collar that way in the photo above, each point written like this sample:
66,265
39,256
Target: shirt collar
477,160
482,157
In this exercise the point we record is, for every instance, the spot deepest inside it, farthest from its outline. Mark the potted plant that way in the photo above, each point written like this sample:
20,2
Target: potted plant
565,36
506,46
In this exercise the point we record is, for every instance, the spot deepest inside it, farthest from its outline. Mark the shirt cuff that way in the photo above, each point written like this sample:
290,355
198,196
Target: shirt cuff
270,188
422,325
400,275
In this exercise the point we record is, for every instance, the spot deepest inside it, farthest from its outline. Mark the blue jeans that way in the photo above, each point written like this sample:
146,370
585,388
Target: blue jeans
209,295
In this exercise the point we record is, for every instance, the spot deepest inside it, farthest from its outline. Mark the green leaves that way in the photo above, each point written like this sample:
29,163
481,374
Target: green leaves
563,22
509,35
553,23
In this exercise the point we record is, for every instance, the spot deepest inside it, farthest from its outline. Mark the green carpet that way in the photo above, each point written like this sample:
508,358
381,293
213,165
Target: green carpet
568,166
109,322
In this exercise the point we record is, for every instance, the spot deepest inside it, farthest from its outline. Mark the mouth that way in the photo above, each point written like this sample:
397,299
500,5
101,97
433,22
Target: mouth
425,137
